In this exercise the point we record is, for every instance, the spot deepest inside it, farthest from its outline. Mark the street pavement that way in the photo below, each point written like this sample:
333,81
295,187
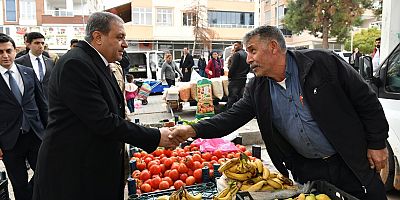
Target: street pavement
156,110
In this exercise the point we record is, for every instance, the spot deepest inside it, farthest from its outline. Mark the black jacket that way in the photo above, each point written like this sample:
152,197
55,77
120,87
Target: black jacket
187,63
239,67
81,156
34,107
344,106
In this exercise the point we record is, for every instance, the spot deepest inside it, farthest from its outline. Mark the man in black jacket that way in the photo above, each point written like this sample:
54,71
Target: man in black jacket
186,65
317,116
237,74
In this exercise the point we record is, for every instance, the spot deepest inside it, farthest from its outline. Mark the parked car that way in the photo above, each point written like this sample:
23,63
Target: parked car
344,55
195,67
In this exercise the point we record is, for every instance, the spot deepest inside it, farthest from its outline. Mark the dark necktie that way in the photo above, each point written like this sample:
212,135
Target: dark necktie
14,86
41,74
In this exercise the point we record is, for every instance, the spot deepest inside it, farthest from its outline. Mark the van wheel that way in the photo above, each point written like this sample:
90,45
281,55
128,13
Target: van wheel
387,174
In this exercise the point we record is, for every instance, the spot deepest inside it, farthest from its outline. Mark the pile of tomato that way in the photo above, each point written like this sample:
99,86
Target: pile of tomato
166,168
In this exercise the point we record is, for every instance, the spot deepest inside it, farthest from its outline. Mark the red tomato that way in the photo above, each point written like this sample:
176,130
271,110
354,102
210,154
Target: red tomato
182,168
153,162
186,148
168,162
155,169
144,175
197,165
166,173
183,177
145,188
248,153
174,174
206,156
190,172
147,160
218,153
141,165
241,147
143,154
190,180
163,185
230,155
158,152
197,174
136,174
137,155
214,158
183,154
178,184
175,165
193,145
195,148
169,180
155,182
167,152
196,157
163,168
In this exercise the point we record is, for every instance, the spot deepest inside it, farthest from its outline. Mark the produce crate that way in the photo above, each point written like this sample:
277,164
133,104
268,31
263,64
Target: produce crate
208,190
333,192
4,195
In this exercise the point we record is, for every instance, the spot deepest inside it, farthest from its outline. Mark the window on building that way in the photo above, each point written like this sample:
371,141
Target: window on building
164,16
11,10
268,17
281,12
189,19
28,9
230,19
141,16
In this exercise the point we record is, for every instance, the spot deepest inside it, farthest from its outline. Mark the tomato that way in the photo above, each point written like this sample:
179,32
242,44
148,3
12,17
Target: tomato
144,175
143,154
147,160
175,165
190,172
155,182
153,162
241,147
163,168
182,168
137,155
145,188
248,153
197,165
230,155
193,145
183,177
158,152
167,152
214,158
236,155
211,173
155,169
206,156
168,162
166,173
218,153
174,174
190,180
196,157
197,174
195,148
222,160
141,165
135,174
186,148
163,185
183,154
169,180
178,184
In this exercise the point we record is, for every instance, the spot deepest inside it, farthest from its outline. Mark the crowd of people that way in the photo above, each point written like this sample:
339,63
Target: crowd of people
318,118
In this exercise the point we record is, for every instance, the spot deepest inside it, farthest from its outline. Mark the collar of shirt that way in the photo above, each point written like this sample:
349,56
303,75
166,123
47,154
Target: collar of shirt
101,56
33,57
288,72
17,76
13,68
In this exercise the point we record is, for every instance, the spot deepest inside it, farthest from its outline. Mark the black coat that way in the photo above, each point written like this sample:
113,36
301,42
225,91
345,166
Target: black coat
34,107
81,156
239,67
187,63
341,102
49,64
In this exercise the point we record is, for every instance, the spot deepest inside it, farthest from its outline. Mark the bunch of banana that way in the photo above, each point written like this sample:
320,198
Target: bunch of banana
239,169
228,193
181,194
303,196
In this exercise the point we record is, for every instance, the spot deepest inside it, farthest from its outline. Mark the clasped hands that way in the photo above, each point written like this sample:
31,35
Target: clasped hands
172,137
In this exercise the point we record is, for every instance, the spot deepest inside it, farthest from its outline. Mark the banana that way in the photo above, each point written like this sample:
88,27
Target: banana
256,187
259,165
267,188
322,197
234,169
302,196
228,164
284,179
290,187
274,184
256,179
191,197
266,173
164,197
232,192
222,194
273,175
310,197
239,177
244,187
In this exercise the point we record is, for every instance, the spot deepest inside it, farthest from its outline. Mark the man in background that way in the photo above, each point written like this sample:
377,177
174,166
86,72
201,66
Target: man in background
73,43
376,54
186,65
26,50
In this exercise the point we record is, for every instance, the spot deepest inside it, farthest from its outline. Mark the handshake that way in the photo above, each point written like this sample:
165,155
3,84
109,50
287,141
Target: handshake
172,137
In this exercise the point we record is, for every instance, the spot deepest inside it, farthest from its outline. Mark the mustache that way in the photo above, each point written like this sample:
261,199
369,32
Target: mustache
254,65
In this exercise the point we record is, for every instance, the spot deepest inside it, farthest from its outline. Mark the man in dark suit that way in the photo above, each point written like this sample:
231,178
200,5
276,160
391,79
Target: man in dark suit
23,117
26,50
42,65
81,156
186,65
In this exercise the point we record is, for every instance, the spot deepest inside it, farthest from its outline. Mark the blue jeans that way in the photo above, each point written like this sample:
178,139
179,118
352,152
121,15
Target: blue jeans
131,105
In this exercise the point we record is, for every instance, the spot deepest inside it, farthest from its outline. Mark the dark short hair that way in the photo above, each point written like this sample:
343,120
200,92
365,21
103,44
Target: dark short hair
239,42
5,38
33,35
129,77
73,41
378,39
100,21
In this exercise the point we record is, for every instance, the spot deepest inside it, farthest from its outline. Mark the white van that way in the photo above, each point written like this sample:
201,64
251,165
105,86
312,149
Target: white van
146,64
386,83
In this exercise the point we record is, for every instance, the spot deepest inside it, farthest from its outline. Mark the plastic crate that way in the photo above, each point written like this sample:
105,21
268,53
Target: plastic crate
4,195
332,191
208,190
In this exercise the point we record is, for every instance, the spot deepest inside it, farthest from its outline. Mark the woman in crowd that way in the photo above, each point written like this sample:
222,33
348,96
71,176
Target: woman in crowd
214,67
169,69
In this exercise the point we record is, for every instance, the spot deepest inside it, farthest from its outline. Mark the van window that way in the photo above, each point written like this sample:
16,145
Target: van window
393,73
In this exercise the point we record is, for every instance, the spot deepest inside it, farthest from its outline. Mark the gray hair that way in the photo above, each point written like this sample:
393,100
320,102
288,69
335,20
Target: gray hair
267,33
100,21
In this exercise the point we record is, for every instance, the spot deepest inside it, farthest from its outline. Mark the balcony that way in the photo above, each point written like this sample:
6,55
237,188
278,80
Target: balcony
70,8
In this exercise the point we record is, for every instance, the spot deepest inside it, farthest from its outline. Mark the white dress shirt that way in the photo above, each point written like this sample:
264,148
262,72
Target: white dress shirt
17,76
35,64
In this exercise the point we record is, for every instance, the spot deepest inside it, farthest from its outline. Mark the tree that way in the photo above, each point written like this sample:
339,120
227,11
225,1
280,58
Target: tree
324,18
364,41
201,32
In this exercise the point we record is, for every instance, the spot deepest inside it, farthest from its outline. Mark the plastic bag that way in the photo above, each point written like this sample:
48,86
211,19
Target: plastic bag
193,90
218,89
211,145
195,76
205,107
184,92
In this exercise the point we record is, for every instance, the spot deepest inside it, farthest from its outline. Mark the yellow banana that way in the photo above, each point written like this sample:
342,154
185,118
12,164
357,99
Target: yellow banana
256,187
285,179
259,165
273,175
228,164
302,196
229,195
234,169
267,188
322,197
223,193
239,177
164,197
191,197
244,187
310,197
290,187
266,173
256,179
274,184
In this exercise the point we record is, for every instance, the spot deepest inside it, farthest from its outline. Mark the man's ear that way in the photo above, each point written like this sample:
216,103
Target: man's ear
97,37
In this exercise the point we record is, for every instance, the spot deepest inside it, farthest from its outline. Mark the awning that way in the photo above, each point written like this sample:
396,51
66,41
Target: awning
124,11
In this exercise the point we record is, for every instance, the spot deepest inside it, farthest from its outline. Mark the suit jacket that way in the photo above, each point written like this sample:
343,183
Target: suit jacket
187,63
345,108
81,156
34,107
49,64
